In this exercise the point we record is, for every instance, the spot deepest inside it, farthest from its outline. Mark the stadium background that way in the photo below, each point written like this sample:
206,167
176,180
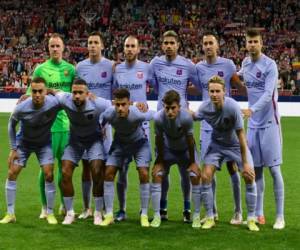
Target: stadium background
24,29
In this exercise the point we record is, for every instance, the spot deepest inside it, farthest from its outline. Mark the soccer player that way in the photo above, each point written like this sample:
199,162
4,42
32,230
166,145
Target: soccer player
36,116
173,72
225,68
129,141
58,74
228,143
260,74
132,75
96,70
85,136
175,144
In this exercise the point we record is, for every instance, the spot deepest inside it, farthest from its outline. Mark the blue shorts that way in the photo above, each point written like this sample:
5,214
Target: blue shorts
106,142
146,128
265,145
181,158
74,151
205,139
44,154
139,150
217,154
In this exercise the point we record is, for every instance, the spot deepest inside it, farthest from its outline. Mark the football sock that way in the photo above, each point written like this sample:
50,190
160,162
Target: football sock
50,196
278,186
236,188
122,187
144,196
260,184
10,188
196,193
214,186
109,193
86,193
207,198
251,196
42,188
68,201
155,196
98,203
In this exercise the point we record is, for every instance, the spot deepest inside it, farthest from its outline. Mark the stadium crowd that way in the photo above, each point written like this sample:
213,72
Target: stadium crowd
25,28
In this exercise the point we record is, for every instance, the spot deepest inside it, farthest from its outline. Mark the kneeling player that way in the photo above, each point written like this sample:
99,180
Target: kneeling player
36,115
129,141
85,136
175,144
228,143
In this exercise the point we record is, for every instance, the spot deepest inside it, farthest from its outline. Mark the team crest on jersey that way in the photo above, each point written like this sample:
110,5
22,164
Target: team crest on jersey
220,73
179,72
139,75
104,74
66,72
258,74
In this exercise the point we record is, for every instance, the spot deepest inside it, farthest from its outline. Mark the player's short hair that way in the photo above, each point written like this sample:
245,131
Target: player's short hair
170,97
133,37
96,33
211,33
38,80
79,81
252,32
216,79
56,35
121,93
171,33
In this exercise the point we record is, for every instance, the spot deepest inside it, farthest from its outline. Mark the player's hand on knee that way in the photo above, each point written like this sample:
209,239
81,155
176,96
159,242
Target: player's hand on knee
13,155
158,169
143,107
248,172
194,168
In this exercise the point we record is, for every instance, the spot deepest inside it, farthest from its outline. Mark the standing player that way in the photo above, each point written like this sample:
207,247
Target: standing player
97,72
132,75
36,116
260,74
173,72
228,143
225,68
129,141
175,144
58,74
85,136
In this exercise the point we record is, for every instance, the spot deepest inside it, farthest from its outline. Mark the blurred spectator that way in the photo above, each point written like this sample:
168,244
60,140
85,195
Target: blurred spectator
26,25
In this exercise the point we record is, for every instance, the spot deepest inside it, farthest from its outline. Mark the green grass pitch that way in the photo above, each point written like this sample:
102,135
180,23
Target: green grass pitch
31,233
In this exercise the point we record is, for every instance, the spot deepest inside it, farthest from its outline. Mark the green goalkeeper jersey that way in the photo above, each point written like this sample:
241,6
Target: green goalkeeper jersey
57,76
